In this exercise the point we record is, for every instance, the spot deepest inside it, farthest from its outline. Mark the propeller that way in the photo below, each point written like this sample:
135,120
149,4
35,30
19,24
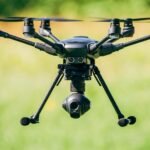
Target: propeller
121,20
20,19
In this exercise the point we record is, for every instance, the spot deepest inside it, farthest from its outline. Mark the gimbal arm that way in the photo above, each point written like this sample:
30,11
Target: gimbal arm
108,48
44,47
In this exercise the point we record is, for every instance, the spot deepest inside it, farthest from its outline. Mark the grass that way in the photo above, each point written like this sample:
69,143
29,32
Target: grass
24,78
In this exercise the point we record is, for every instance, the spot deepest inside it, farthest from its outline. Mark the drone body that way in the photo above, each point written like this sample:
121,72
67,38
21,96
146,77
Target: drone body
78,55
77,46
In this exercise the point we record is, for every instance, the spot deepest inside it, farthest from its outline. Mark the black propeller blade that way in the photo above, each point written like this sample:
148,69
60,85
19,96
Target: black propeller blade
20,19
12,19
121,20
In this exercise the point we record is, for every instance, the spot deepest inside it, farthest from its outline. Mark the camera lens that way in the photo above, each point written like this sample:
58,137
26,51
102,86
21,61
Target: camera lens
76,105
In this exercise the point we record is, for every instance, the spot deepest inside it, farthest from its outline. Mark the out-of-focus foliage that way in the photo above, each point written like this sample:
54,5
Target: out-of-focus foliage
10,7
79,7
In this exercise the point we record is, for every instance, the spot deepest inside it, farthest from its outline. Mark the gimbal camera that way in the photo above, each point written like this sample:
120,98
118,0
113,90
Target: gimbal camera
78,55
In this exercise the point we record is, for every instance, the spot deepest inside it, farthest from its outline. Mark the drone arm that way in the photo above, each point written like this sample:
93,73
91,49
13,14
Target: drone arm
49,34
40,46
46,48
93,48
136,41
109,48
55,39
112,40
41,38
10,36
58,47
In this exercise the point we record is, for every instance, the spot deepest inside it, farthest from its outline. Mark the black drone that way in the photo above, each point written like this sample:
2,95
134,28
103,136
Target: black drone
78,54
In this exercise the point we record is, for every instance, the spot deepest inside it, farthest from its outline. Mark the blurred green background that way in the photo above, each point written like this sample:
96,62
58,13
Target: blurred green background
26,75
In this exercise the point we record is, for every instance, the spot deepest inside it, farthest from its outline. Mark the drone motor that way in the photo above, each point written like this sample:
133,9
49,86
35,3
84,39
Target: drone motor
128,29
114,30
28,29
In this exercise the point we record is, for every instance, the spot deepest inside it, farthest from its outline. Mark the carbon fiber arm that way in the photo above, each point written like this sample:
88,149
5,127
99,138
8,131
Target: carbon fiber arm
41,46
108,48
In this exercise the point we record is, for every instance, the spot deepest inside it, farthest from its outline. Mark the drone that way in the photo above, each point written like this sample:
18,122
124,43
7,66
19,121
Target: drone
78,55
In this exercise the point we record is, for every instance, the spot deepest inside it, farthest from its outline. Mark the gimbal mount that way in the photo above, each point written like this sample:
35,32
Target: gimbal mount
78,54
